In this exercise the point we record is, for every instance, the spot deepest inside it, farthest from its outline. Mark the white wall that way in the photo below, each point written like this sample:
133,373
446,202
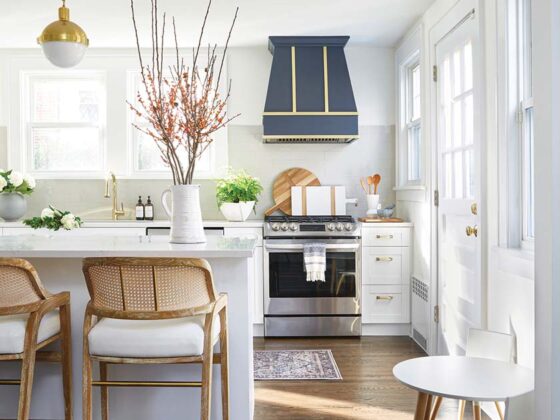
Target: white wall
372,76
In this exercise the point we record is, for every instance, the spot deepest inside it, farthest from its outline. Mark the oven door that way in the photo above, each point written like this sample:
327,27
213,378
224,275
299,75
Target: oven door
287,292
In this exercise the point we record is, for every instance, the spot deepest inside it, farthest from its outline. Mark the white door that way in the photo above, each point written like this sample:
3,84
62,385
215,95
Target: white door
458,160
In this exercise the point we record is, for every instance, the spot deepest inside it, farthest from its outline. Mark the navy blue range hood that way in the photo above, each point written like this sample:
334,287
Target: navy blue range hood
310,97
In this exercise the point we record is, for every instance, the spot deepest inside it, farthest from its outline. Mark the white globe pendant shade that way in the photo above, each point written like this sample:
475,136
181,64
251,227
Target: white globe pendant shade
64,43
64,54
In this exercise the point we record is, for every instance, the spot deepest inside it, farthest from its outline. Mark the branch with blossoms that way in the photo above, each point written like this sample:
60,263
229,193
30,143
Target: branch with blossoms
183,110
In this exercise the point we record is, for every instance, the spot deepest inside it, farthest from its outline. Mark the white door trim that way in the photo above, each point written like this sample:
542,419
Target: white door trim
444,26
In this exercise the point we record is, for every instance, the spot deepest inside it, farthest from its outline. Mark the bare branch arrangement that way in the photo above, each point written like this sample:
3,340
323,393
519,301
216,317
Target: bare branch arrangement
181,103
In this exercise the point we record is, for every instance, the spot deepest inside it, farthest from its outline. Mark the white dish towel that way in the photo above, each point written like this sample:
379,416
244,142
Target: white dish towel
315,261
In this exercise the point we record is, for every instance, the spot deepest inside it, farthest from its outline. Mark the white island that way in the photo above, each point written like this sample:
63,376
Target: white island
58,259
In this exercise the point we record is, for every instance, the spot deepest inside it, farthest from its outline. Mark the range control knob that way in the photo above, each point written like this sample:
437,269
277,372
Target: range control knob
349,226
284,227
339,226
331,226
275,227
293,227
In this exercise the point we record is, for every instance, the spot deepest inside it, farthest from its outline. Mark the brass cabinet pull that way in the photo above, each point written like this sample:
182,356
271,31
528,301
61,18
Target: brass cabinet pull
472,231
378,236
387,298
387,259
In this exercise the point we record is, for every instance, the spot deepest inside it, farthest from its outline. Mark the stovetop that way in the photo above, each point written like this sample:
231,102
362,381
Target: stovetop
311,226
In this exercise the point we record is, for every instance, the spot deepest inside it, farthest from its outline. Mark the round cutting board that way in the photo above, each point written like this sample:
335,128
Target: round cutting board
282,188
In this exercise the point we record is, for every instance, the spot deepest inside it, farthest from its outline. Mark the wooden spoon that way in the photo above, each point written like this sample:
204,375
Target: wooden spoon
370,182
363,183
376,179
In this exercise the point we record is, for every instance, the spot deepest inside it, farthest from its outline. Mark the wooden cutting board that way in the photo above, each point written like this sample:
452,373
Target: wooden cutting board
282,188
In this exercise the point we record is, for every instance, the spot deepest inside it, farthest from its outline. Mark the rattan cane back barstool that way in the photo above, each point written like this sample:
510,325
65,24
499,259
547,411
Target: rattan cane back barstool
150,311
30,319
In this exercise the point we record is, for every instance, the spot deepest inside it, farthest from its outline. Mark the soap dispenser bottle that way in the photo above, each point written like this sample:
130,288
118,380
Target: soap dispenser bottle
140,209
149,210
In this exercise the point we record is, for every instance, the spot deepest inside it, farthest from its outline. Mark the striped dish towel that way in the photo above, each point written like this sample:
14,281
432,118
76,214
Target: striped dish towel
315,261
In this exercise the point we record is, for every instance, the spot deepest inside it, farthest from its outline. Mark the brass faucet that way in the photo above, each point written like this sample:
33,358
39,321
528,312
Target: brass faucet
115,212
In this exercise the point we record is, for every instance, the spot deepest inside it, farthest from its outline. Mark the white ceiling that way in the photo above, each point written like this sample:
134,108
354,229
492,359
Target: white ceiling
108,22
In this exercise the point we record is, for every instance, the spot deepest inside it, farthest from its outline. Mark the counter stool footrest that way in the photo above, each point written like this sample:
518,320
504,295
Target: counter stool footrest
171,384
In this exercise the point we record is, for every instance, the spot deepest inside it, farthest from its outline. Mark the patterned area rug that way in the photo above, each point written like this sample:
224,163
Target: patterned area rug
295,365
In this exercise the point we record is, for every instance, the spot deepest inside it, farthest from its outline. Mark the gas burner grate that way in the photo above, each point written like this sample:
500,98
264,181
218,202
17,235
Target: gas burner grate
309,219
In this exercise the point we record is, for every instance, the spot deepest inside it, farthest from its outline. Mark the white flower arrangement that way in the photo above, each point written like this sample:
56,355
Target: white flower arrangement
15,182
54,219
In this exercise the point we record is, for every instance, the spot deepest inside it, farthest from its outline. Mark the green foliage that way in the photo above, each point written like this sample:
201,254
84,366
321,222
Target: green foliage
54,220
238,187
7,186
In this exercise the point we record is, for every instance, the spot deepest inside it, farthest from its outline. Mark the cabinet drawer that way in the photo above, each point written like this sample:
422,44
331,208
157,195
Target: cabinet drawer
384,266
385,237
386,304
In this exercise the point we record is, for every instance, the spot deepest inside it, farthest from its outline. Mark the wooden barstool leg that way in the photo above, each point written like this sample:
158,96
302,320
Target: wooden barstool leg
224,364
435,410
66,350
28,366
499,409
421,404
476,411
86,372
104,391
462,405
207,363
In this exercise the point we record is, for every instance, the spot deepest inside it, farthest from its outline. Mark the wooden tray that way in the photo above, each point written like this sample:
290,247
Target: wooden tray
380,220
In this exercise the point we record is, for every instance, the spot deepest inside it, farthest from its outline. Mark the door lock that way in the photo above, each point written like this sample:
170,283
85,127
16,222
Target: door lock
472,230
474,209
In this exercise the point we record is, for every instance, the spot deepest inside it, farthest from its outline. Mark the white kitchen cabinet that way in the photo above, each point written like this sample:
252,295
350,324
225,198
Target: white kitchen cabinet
386,252
258,304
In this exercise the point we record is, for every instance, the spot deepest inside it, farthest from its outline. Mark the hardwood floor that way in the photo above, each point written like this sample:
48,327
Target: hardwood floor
368,389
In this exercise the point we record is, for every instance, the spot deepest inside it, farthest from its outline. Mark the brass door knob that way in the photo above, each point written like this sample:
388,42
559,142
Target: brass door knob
472,230
474,208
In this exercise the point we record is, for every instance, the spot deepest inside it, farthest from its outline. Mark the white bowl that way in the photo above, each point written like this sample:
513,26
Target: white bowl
237,212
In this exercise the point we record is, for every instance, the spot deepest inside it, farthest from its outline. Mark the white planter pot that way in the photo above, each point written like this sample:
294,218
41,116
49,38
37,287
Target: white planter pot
185,214
237,212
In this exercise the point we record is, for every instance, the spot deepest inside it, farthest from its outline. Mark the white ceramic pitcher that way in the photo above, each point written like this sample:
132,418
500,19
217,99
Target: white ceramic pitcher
185,214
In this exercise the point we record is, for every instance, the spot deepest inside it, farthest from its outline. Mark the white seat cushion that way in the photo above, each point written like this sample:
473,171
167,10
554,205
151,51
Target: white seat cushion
12,330
149,338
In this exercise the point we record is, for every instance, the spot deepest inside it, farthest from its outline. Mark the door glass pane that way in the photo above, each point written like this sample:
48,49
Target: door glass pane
457,123
457,65
61,149
458,163
469,119
448,170
287,276
468,66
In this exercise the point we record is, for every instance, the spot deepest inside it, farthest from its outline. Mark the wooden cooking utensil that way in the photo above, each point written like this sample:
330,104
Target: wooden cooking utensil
370,183
363,183
376,179
282,188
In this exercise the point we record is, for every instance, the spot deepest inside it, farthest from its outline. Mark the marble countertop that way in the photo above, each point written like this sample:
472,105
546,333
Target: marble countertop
54,246
149,223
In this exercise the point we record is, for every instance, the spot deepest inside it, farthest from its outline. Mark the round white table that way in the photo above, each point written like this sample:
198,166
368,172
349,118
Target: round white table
462,378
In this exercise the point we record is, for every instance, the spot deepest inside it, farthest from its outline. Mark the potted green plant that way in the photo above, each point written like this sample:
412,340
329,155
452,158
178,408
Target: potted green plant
14,186
237,195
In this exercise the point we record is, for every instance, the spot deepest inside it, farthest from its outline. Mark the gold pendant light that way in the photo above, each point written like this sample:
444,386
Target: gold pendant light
64,43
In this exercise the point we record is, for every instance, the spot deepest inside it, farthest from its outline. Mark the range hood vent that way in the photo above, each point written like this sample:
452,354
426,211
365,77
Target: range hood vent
310,97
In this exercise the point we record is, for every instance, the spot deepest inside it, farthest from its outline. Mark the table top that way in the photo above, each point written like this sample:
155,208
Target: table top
465,378
60,246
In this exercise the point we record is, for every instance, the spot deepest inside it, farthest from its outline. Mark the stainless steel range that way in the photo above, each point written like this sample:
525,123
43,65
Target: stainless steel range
295,307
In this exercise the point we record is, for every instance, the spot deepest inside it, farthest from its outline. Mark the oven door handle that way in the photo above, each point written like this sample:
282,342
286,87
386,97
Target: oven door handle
299,247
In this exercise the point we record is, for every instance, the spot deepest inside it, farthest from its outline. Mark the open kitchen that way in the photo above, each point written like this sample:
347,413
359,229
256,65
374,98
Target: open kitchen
271,210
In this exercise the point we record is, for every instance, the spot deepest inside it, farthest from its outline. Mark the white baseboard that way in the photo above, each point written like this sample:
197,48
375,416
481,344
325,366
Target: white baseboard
385,329
258,330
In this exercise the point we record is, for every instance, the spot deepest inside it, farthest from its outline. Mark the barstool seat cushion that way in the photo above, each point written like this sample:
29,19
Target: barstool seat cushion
149,338
12,330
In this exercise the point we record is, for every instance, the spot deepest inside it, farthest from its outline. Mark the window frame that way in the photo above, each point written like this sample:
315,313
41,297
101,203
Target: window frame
408,57
28,78
115,64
